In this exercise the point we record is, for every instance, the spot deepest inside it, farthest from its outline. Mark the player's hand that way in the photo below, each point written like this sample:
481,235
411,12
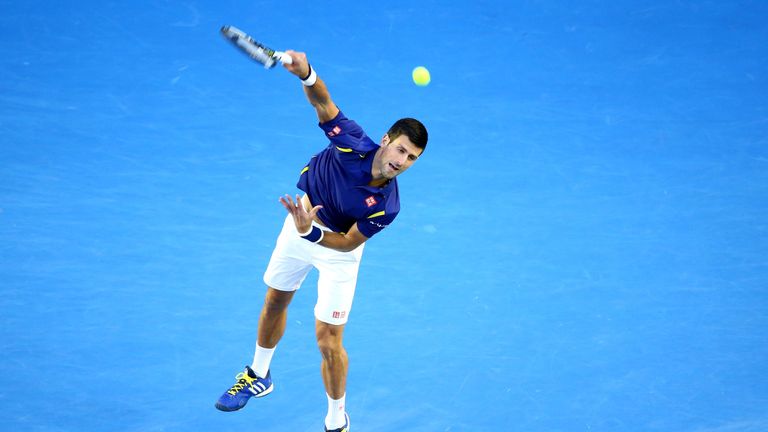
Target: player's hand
301,217
300,65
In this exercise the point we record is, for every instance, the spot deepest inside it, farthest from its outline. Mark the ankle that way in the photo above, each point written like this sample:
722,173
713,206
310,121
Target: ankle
262,358
336,410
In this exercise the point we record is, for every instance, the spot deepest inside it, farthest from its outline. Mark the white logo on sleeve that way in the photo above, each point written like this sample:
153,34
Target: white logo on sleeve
377,224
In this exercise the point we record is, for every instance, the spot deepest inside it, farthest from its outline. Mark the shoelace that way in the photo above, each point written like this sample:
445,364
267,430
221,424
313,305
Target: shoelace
243,379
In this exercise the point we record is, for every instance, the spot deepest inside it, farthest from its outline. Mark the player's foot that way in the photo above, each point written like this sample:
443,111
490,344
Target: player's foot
248,385
344,428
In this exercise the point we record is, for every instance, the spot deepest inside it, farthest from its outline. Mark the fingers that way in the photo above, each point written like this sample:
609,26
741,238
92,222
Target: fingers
314,211
299,65
297,57
288,203
296,207
286,58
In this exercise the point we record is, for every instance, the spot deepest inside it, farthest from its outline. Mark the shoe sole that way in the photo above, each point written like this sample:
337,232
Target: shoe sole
262,394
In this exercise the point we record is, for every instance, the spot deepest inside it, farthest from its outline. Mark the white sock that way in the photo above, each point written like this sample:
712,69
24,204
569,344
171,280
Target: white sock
261,360
335,418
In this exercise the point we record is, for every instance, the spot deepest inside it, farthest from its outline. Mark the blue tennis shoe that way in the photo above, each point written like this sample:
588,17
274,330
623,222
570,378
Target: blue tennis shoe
248,385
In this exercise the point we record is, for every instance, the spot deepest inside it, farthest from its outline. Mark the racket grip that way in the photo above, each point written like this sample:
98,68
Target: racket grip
284,58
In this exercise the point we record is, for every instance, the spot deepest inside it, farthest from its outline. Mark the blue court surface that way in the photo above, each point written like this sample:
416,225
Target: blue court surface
582,247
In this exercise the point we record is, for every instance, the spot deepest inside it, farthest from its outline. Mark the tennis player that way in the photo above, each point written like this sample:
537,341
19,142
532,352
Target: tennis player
350,194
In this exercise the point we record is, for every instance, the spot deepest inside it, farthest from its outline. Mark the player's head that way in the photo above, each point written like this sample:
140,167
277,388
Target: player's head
400,147
413,129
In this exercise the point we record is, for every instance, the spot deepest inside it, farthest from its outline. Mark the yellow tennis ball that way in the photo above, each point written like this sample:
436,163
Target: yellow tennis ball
421,76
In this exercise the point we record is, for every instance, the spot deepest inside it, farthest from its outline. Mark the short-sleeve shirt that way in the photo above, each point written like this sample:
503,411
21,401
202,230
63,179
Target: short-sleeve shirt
337,178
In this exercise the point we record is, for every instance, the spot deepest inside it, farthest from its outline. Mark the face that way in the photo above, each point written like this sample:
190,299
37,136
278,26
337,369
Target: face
396,156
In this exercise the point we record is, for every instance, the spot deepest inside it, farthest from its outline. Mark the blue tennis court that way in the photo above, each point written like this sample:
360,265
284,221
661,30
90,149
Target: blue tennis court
582,246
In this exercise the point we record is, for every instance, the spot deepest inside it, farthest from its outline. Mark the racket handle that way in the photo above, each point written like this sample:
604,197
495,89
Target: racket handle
284,57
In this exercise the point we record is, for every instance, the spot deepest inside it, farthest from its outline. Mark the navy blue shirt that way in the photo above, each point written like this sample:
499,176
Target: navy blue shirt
337,178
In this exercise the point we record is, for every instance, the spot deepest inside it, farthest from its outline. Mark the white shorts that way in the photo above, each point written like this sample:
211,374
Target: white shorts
294,257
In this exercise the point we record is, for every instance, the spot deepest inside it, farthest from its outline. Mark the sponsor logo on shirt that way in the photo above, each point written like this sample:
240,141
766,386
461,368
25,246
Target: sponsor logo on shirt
370,201
377,224
335,131
339,314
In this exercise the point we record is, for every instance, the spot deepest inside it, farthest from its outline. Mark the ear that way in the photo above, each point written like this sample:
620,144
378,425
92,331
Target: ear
385,140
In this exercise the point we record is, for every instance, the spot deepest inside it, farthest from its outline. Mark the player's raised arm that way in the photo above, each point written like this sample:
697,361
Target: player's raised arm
314,87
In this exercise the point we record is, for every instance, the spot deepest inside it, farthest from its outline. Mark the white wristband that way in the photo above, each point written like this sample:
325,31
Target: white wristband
311,79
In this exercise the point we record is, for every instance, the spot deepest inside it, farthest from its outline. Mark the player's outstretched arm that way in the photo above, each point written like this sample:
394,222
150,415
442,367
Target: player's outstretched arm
318,93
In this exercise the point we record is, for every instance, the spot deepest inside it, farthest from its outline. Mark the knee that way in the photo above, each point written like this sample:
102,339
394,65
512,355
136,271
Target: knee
276,301
330,349
329,341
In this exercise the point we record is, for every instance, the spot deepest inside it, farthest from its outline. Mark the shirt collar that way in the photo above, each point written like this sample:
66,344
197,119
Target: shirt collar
367,166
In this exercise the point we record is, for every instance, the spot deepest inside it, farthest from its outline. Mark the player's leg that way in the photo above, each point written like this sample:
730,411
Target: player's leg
274,315
286,271
334,358
272,322
256,379
334,367
336,290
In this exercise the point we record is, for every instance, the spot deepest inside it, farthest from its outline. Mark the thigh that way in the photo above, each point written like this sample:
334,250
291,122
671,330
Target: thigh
336,285
290,261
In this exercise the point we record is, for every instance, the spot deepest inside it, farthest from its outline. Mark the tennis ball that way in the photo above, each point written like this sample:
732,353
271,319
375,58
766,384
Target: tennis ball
421,76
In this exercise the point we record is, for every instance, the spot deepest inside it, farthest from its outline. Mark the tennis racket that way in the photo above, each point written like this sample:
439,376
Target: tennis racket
253,49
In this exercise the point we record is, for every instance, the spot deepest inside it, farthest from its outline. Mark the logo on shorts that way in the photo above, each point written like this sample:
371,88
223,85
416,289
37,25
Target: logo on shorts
370,201
339,314
335,131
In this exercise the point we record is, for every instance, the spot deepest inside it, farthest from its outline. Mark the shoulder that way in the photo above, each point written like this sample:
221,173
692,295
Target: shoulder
346,135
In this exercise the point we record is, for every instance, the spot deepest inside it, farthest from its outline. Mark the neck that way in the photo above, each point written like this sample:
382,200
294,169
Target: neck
377,180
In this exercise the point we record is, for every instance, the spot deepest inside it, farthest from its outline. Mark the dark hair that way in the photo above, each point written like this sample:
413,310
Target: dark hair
413,129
